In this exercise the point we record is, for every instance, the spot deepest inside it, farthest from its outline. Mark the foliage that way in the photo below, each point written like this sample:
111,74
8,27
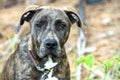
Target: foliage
88,60
109,67
107,64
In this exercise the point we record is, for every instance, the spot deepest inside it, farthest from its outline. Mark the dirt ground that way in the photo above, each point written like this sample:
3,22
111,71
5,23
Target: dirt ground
102,29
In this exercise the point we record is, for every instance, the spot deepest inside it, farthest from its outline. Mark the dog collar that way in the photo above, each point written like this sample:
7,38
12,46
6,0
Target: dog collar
47,70
48,66
35,62
32,57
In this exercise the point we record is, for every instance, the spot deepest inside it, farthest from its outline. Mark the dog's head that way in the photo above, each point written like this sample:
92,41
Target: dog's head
50,29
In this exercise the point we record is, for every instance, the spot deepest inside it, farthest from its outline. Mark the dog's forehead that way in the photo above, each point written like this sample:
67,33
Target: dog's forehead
51,13
51,10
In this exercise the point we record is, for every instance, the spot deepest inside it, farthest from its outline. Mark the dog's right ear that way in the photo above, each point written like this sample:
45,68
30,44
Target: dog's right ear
27,16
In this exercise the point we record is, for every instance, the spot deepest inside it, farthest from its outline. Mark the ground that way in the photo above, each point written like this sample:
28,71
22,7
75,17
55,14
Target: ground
102,30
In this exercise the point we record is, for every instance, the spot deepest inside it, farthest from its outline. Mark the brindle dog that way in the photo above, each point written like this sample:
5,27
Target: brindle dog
49,31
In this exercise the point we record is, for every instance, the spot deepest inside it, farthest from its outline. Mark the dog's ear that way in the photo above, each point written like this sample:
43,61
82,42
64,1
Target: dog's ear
26,16
74,18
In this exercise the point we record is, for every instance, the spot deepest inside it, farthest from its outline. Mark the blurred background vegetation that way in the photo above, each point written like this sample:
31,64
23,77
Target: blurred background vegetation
102,32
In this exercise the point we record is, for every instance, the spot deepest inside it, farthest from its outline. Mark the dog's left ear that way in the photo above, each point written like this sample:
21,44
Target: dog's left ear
74,18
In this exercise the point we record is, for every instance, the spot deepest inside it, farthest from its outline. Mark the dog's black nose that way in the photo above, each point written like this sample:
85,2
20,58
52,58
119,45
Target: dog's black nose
50,44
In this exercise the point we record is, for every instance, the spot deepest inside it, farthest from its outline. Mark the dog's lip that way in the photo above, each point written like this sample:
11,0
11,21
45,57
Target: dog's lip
41,55
50,51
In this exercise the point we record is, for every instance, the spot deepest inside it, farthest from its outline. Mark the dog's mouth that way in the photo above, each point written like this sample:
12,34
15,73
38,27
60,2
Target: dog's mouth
43,52
48,47
51,52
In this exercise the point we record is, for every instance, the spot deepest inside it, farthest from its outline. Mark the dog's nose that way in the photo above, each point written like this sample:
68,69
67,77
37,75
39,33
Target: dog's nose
51,44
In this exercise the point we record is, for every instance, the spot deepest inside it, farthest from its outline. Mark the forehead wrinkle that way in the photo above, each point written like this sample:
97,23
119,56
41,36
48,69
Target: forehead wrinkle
51,14
58,15
45,14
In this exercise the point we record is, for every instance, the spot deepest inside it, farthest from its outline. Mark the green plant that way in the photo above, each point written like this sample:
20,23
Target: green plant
88,60
109,67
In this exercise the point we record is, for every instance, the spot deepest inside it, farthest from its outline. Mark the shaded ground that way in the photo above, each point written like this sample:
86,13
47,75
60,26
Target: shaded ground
102,29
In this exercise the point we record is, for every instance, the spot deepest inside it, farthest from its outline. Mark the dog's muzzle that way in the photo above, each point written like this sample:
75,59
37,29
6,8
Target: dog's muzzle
50,46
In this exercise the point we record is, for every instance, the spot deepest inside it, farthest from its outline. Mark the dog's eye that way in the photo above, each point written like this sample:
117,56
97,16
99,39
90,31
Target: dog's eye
60,25
40,24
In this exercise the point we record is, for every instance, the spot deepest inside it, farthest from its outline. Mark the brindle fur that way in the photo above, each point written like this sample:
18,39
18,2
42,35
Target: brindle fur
20,67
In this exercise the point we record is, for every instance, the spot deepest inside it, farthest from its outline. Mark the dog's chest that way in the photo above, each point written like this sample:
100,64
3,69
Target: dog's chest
24,71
